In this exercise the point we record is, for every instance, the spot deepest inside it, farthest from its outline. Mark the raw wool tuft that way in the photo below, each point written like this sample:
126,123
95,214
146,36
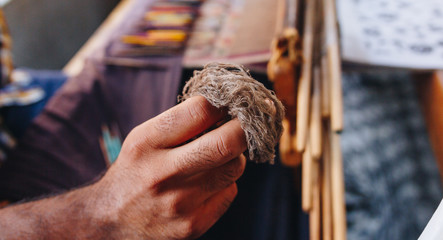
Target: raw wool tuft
231,86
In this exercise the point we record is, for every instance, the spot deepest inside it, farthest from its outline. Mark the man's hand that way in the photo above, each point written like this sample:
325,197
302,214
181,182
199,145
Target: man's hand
165,184
164,187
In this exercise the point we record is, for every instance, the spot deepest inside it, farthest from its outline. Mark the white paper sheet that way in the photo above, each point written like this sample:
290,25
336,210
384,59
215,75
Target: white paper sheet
394,33
4,2
434,229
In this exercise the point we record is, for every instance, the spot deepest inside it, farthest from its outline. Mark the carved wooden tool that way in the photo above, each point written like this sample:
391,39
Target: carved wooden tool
282,72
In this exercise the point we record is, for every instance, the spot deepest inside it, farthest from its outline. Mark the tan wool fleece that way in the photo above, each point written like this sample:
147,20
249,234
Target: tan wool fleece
231,86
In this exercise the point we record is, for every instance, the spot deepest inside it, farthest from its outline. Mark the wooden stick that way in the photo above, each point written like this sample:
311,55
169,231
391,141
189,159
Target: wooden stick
338,188
325,78
293,12
334,65
287,15
304,87
325,88
430,95
281,17
314,215
326,188
315,126
288,156
306,172
336,89
285,140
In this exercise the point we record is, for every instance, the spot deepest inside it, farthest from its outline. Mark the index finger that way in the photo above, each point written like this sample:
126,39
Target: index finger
181,123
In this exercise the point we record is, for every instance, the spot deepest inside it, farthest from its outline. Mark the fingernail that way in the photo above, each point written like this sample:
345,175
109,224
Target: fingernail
271,104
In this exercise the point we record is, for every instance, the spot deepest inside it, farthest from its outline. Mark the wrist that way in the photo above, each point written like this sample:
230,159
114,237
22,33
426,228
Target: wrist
96,217
104,208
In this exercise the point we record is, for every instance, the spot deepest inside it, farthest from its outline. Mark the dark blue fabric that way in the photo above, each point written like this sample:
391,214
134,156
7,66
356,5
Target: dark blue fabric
392,180
18,118
267,207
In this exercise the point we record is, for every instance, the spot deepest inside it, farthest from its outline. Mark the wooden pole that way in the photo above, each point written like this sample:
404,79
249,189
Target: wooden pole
304,87
306,172
314,215
430,94
334,65
315,127
281,17
326,188
338,188
325,88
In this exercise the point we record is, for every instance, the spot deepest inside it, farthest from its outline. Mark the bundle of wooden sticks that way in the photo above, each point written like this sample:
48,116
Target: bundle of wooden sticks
306,70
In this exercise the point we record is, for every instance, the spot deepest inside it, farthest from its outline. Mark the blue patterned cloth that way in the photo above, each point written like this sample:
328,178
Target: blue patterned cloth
392,181
18,118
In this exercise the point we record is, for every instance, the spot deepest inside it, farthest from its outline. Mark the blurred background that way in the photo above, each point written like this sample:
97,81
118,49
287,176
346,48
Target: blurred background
47,33
378,71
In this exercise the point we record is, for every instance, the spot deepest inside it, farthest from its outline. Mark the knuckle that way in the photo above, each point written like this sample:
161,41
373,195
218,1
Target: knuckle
173,208
222,147
242,167
182,162
189,228
165,123
225,176
233,192
199,111
156,185
238,167
135,147
223,207
221,180
138,142
202,155
193,160
229,198
206,152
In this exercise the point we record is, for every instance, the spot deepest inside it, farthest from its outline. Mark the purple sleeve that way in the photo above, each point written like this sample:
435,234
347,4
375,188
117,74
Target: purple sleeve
61,150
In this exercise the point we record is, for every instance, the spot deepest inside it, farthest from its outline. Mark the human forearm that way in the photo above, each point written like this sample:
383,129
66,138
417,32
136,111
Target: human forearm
71,215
